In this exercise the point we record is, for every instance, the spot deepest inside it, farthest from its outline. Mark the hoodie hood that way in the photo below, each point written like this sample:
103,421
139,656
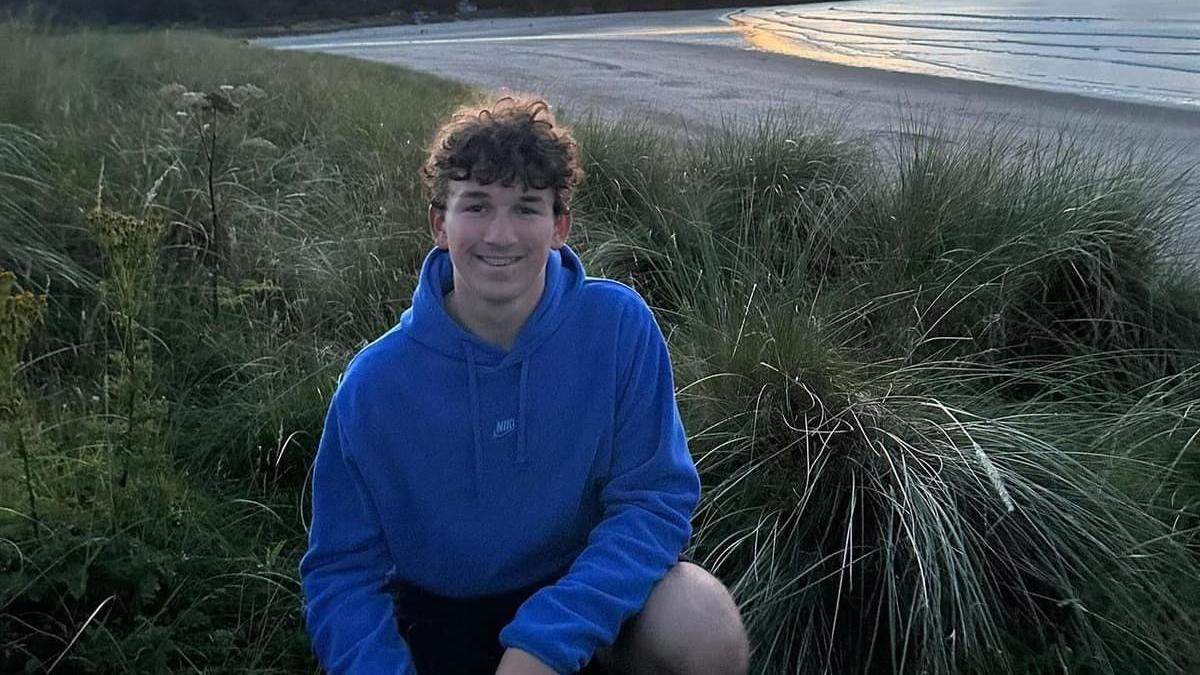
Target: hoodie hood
428,323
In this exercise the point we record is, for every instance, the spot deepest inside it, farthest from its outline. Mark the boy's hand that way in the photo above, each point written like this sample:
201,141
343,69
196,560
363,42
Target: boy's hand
517,662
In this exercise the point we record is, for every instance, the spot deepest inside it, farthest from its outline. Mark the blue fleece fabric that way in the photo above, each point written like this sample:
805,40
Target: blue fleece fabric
451,465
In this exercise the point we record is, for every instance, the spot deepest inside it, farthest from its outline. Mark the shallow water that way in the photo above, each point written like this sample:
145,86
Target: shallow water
1135,50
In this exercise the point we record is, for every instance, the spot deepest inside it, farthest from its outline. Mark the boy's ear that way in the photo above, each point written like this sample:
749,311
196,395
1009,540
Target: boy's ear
437,226
562,228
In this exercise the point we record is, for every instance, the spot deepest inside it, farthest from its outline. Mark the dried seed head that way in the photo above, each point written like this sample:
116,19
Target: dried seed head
192,99
219,102
19,313
171,93
248,91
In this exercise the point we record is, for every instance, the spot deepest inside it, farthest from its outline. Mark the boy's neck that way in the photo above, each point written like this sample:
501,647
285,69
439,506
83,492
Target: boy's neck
496,324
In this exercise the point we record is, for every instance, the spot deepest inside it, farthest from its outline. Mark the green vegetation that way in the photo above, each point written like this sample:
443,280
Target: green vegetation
943,405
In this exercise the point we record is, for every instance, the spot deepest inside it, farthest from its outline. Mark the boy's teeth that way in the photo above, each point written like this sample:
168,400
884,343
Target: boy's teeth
497,261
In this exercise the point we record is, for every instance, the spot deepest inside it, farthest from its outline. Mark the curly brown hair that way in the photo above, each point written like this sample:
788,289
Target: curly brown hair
514,138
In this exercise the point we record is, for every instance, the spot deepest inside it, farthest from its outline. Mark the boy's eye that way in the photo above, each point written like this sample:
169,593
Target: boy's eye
475,208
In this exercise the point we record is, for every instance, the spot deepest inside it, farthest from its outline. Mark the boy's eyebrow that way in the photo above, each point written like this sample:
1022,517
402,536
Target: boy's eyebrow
480,194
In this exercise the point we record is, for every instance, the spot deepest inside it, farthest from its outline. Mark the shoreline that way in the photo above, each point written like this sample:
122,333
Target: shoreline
406,41
769,41
676,69
655,63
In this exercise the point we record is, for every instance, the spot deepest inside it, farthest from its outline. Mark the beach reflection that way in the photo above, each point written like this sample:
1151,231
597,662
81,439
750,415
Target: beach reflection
1147,51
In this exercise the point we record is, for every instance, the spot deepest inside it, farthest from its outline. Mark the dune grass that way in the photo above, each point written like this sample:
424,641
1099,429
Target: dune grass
942,403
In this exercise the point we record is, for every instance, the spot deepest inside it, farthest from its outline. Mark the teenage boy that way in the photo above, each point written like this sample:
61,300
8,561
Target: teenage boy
503,484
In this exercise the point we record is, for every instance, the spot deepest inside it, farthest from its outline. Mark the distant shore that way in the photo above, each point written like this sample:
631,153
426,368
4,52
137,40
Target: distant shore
695,71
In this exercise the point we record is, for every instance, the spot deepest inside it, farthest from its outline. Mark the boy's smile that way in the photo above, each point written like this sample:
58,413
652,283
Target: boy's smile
498,238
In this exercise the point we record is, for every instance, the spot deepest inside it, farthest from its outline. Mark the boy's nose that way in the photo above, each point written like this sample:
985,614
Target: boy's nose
501,231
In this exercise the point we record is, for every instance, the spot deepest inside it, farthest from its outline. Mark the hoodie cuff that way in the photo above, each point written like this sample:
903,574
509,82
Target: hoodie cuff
560,662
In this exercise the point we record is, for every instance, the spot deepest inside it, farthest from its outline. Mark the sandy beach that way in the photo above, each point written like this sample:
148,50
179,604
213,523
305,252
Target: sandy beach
695,70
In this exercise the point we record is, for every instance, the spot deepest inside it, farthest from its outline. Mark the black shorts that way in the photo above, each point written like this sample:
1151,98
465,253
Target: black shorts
449,636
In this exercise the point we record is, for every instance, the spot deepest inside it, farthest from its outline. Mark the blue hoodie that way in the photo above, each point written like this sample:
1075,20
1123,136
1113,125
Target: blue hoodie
451,465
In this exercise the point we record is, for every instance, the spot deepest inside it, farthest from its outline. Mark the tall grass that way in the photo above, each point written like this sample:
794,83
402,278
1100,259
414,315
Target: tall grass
310,184
942,403
943,407
877,517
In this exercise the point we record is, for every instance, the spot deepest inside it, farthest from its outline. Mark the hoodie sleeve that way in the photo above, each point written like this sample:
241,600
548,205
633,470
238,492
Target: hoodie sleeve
648,501
349,615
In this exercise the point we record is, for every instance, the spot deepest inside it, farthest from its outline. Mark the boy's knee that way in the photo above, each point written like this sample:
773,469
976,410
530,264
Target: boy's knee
690,626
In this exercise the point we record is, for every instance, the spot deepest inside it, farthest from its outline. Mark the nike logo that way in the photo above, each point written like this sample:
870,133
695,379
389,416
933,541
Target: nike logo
504,427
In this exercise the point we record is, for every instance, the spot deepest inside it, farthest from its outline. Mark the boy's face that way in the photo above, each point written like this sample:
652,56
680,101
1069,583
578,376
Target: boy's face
498,238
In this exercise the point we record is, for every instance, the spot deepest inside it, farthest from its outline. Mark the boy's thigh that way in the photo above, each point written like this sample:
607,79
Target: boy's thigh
467,644
450,637
444,647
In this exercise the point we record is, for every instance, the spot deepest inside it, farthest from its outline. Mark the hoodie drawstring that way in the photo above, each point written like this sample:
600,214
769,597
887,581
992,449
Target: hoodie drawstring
476,426
473,381
521,458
